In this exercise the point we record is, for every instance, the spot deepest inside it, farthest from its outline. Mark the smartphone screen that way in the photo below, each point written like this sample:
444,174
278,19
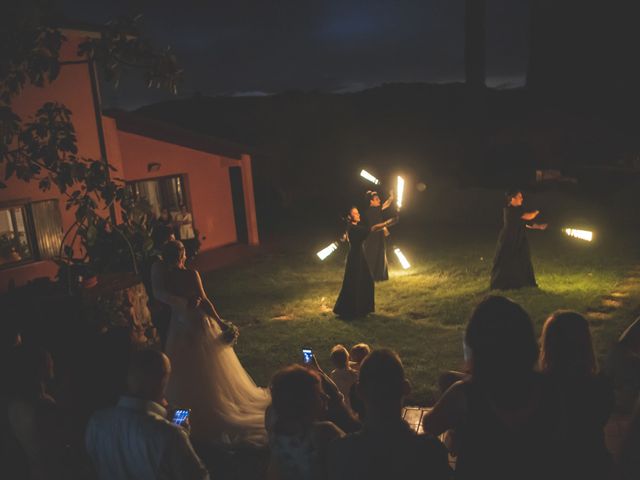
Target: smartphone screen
180,416
307,356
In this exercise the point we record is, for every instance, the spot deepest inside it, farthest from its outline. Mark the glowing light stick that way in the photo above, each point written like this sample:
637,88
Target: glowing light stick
368,176
403,260
581,234
400,191
328,250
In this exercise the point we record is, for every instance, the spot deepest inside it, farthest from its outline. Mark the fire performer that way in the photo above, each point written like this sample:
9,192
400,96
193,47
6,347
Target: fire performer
375,246
356,297
512,266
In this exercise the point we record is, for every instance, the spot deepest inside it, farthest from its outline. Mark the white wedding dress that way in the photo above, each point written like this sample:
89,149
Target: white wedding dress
206,376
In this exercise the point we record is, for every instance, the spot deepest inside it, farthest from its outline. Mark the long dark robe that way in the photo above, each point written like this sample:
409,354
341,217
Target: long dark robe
356,295
375,246
512,266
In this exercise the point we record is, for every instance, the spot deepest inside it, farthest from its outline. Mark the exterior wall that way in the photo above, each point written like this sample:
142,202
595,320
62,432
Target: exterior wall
206,175
73,89
206,178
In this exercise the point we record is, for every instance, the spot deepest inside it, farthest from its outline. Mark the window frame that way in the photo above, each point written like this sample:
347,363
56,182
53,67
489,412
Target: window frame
30,230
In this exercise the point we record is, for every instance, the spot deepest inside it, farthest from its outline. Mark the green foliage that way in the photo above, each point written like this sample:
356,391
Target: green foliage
120,46
44,148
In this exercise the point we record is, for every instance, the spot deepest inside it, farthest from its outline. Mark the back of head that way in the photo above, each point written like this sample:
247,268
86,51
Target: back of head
566,346
294,393
148,375
161,234
359,352
382,382
172,252
339,356
502,341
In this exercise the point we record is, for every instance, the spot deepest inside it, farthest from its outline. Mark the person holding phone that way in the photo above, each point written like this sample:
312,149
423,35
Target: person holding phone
226,405
299,434
137,438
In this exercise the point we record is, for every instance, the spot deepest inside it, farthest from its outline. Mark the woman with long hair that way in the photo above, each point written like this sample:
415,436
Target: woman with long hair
500,415
298,436
585,397
207,377
512,266
356,297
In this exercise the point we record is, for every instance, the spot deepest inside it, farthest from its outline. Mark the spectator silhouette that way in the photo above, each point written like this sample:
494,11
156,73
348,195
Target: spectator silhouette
40,442
629,460
622,365
357,354
342,375
386,447
585,397
502,418
297,437
135,440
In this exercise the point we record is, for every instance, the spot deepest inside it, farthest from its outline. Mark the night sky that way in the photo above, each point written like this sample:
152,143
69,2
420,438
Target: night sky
255,47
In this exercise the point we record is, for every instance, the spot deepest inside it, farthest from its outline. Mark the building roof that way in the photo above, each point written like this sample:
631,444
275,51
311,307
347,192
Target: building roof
147,127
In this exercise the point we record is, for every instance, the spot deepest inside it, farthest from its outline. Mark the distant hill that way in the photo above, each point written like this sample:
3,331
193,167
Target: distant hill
309,146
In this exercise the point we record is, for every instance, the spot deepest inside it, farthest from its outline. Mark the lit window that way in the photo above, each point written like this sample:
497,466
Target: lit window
31,231
14,237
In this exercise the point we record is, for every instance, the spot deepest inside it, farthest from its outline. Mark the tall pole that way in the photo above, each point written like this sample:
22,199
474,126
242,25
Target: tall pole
475,43
97,107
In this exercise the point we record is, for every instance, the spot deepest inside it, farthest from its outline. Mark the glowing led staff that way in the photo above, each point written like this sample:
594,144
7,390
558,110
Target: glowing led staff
400,192
368,176
326,251
581,234
403,260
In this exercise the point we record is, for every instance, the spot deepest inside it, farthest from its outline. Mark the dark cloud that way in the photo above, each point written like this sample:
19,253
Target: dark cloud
335,45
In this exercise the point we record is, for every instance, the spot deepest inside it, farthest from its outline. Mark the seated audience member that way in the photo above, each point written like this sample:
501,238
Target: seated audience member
135,439
386,447
629,459
357,354
622,365
342,375
585,398
35,421
298,439
502,417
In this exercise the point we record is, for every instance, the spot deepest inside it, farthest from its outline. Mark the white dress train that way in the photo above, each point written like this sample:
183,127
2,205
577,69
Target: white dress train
207,377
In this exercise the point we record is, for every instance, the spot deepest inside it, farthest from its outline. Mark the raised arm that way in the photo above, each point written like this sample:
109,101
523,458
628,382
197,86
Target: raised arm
387,223
450,411
387,203
159,287
527,216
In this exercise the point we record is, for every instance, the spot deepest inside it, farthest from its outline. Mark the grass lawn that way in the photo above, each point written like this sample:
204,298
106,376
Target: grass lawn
282,300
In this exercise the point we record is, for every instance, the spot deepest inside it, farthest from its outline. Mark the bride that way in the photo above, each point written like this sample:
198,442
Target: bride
207,377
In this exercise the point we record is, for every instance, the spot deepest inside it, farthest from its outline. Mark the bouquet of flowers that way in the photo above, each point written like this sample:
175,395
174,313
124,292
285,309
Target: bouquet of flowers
230,332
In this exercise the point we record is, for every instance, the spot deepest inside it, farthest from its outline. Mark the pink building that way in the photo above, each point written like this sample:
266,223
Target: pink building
167,165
